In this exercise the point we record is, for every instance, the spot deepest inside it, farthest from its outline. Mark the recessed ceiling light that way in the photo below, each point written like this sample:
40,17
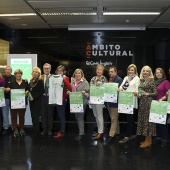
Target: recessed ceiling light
19,14
131,13
69,13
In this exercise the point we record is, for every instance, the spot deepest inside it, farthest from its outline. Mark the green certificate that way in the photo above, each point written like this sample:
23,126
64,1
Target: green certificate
168,100
125,103
158,112
168,96
17,98
96,94
76,102
2,98
110,92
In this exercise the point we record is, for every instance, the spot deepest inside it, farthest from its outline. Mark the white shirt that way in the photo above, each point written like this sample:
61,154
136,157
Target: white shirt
133,87
56,89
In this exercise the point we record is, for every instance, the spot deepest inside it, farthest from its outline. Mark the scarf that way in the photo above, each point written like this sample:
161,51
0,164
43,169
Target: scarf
75,86
158,81
126,84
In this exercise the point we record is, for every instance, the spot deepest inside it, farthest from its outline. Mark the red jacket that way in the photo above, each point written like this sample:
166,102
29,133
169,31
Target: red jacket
67,86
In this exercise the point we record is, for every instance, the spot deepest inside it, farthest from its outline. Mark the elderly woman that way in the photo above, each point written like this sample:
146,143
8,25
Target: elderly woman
130,83
144,127
19,83
80,84
35,92
99,79
162,86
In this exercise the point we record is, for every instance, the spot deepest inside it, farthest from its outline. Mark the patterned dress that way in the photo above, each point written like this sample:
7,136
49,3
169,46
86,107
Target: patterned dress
144,127
102,79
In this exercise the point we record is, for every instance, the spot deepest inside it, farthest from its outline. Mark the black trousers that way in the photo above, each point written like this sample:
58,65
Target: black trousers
47,114
35,108
131,126
162,130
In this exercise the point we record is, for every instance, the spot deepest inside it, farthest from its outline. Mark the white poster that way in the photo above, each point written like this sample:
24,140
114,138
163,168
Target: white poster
76,102
2,98
125,103
96,94
158,112
110,92
17,98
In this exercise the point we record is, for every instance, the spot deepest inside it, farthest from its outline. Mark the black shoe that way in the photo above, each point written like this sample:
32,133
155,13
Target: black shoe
50,133
164,144
133,137
5,132
110,139
44,132
157,141
79,137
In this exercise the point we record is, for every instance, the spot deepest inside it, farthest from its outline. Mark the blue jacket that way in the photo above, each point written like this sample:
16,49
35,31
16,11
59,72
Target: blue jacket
119,80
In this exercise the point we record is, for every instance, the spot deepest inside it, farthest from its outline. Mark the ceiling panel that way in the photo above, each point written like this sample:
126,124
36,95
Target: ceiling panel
98,6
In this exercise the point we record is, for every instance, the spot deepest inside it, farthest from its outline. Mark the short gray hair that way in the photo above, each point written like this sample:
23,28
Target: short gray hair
47,64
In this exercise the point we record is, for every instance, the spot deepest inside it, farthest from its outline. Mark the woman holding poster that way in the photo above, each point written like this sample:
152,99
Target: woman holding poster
98,80
148,91
162,86
80,84
18,103
130,84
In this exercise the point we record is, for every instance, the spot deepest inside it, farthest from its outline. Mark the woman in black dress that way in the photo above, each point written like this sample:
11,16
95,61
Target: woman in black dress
35,92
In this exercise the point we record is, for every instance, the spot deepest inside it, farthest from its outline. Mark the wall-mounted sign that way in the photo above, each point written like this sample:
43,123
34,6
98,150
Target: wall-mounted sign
105,53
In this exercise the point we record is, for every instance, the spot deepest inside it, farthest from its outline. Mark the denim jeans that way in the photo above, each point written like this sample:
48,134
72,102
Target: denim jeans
61,115
5,114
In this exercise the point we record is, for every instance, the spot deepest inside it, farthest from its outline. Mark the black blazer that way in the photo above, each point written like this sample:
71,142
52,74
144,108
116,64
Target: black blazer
36,89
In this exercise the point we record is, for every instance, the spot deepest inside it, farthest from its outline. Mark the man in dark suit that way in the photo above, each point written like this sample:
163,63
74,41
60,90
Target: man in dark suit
47,109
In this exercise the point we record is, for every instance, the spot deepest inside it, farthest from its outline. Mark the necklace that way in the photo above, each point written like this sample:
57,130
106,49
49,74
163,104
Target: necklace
33,83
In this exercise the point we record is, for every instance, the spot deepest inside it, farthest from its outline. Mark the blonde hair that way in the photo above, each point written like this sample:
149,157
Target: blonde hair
100,66
162,71
18,71
135,68
141,73
81,71
38,70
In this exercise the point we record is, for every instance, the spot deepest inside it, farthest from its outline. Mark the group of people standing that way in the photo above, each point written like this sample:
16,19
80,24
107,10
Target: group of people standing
37,91
154,87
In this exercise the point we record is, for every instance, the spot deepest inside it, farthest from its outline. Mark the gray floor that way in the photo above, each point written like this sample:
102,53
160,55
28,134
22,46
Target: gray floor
27,153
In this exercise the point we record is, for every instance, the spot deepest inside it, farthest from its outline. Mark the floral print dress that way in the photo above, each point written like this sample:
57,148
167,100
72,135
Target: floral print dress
144,127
